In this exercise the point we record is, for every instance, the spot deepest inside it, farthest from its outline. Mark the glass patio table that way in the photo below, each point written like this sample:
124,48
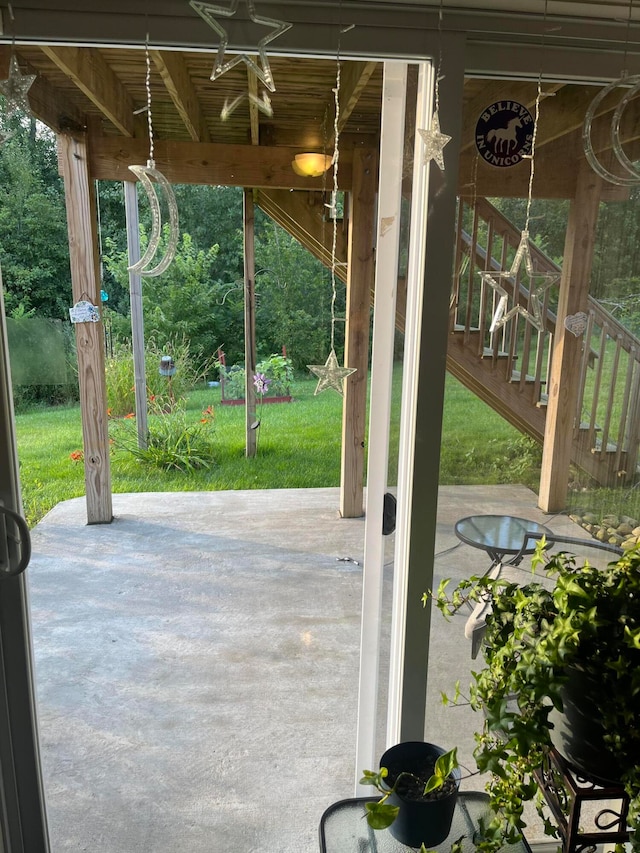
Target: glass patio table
505,538
344,829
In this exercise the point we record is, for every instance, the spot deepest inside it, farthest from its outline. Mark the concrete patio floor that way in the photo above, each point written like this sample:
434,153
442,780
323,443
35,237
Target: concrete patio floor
197,664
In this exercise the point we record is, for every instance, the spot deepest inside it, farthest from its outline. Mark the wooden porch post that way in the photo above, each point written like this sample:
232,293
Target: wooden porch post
565,367
249,323
356,351
85,280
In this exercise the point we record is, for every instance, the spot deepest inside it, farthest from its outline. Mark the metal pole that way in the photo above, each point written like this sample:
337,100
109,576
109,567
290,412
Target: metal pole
137,319
249,323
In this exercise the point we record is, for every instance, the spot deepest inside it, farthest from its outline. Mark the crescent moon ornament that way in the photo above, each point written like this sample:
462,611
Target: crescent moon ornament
145,174
633,178
615,132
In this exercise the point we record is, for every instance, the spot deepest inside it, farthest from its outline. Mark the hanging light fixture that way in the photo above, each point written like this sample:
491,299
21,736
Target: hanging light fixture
311,164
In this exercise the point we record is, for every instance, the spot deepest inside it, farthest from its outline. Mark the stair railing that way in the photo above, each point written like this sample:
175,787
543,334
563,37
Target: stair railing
607,419
486,240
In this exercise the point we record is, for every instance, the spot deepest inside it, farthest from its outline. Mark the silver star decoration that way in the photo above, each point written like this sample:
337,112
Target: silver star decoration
330,374
536,290
207,11
264,104
16,86
434,142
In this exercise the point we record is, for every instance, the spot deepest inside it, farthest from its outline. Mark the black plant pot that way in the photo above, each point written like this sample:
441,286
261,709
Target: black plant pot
419,821
578,733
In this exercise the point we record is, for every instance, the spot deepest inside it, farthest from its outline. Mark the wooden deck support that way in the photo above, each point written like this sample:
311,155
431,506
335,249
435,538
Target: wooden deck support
565,365
356,350
85,280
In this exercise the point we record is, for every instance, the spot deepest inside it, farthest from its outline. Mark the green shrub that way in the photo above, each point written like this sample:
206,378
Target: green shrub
173,443
162,390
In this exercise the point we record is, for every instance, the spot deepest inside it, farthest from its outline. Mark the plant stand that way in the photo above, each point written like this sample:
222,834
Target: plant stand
578,803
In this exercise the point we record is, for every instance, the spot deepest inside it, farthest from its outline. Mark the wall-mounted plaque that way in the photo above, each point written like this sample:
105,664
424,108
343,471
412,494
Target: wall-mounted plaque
504,133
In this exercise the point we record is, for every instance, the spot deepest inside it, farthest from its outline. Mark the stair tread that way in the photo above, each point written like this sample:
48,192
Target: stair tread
488,353
516,375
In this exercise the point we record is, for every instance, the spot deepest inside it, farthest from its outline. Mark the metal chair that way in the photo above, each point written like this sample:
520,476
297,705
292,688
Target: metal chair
476,624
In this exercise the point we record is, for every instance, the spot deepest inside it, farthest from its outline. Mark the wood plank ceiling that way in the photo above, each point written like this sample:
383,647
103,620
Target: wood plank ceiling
102,89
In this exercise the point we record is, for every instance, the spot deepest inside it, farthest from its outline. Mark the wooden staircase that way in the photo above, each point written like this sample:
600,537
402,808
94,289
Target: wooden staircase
509,368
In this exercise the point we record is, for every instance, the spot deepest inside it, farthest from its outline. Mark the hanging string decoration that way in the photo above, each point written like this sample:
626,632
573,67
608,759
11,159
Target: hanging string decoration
434,140
330,374
262,68
147,175
539,282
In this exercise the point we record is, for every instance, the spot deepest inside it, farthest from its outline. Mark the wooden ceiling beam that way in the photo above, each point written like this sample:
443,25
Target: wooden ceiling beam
303,215
91,74
564,113
554,176
561,113
208,163
175,77
354,77
353,81
47,104
50,107
254,118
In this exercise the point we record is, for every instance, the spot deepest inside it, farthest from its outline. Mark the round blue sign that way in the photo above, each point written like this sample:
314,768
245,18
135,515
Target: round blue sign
504,133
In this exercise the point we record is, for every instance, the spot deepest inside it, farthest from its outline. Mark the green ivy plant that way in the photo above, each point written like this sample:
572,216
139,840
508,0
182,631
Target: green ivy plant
589,621
381,814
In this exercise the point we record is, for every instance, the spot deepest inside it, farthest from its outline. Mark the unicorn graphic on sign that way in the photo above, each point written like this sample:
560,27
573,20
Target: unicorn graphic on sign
505,139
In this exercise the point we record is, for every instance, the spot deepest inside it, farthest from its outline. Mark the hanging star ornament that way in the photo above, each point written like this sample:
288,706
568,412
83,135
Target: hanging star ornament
539,283
330,374
16,86
262,70
434,142
264,104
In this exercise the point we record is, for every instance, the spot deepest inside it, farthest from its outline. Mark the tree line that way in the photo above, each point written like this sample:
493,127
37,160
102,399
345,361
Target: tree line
200,296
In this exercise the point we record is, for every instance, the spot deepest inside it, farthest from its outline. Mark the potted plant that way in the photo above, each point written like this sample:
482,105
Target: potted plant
553,658
419,786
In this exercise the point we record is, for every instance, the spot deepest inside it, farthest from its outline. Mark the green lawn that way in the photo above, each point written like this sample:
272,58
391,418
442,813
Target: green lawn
298,447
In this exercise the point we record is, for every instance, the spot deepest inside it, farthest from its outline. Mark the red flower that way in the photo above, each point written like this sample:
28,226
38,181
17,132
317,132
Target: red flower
130,415
152,398
76,456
